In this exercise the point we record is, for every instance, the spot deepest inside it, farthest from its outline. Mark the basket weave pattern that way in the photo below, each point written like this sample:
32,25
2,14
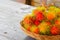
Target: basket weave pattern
40,37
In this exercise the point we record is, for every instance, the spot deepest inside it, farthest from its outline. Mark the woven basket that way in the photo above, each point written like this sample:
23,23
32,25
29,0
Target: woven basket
38,36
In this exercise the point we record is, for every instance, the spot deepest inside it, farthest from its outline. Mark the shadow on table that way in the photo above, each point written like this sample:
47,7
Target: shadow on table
29,38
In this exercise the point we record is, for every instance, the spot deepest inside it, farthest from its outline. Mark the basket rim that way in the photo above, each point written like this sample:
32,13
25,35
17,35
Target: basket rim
22,27
38,36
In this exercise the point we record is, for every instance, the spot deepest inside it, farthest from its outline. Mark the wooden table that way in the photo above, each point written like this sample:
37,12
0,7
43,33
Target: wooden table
11,14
